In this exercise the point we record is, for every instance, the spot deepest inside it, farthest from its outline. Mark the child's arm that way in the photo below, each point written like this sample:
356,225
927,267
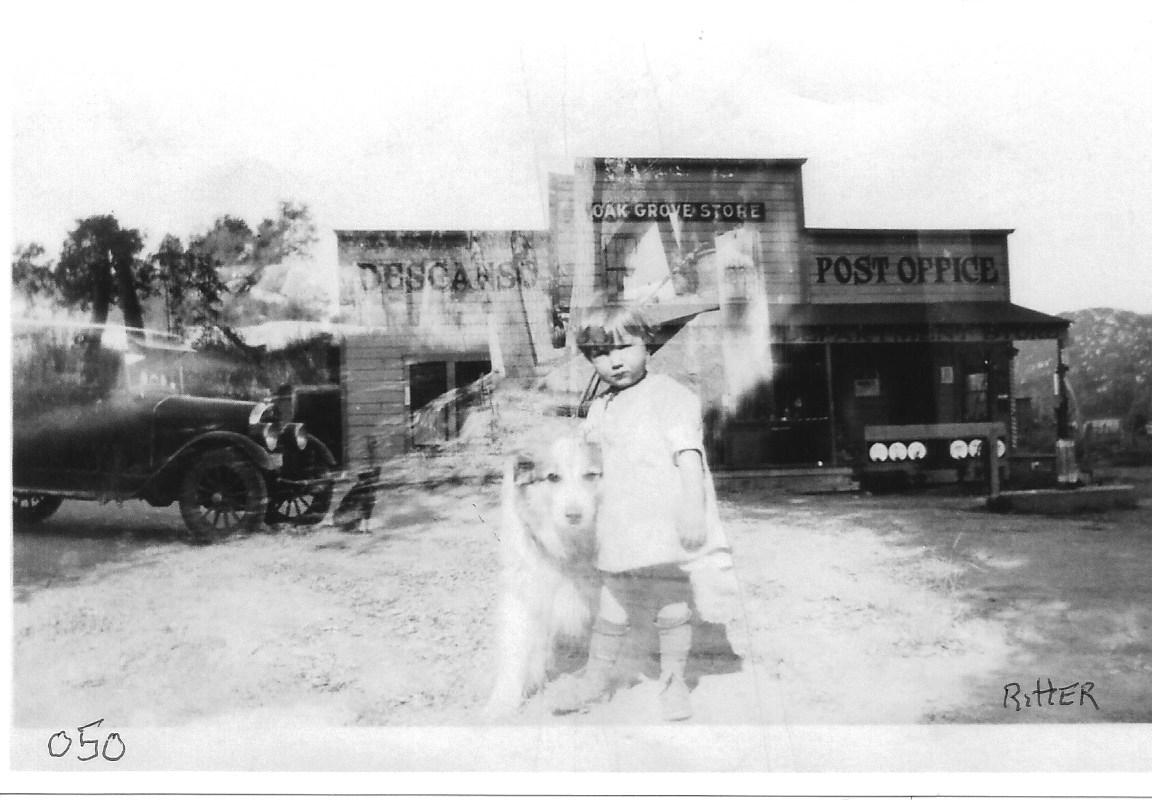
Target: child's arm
690,518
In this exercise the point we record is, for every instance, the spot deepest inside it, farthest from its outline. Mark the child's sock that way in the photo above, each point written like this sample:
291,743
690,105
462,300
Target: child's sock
595,680
675,644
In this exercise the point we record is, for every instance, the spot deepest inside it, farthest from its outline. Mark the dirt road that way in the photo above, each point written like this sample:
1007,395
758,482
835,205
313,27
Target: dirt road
894,609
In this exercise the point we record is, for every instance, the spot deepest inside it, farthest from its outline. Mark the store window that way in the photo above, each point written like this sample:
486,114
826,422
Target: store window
619,255
441,395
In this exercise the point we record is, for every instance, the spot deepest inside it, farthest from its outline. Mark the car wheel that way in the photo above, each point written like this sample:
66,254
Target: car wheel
222,494
30,508
304,494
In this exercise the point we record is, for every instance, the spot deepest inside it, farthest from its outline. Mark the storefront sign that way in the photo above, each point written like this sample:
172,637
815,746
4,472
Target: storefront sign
871,269
725,211
415,276
834,334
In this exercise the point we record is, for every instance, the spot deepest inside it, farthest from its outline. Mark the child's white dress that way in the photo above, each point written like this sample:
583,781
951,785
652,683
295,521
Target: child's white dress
640,430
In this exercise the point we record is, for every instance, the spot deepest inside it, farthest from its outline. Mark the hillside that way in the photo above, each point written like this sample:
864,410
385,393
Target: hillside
1109,355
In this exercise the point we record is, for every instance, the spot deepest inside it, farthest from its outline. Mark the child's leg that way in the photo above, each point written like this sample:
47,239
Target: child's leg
611,606
608,633
674,625
596,679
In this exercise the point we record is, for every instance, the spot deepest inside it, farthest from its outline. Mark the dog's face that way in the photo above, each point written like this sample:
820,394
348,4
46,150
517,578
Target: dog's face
558,492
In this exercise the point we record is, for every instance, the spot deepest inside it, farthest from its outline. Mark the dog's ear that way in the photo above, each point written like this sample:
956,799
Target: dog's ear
523,469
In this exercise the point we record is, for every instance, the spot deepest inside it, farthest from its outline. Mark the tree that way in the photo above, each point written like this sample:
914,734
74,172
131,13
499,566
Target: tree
292,234
33,277
98,269
190,283
228,259
228,243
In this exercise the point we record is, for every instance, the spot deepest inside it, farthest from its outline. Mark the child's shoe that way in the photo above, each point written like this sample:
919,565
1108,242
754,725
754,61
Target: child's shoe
596,681
577,692
675,702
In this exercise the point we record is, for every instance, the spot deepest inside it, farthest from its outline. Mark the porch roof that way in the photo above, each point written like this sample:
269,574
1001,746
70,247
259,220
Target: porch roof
955,321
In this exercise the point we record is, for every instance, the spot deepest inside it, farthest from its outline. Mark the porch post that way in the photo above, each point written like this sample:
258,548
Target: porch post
831,403
1013,419
993,462
1067,472
1061,391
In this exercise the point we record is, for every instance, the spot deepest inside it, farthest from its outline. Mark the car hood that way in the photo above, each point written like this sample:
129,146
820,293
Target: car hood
204,413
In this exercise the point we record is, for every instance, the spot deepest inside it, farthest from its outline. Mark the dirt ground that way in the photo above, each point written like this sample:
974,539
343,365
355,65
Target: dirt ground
885,609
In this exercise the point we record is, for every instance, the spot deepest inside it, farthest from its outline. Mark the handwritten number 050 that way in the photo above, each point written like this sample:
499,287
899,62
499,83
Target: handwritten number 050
60,743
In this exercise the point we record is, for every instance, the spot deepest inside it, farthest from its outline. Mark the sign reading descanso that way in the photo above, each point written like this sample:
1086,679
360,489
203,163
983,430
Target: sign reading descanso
723,211
907,269
445,276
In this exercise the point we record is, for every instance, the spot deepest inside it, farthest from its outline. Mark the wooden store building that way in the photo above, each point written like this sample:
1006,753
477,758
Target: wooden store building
878,350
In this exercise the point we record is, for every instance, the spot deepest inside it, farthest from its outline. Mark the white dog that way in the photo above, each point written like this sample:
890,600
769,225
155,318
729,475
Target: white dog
549,584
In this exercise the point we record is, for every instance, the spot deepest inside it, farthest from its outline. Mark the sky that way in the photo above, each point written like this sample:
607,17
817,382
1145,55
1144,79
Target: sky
1032,117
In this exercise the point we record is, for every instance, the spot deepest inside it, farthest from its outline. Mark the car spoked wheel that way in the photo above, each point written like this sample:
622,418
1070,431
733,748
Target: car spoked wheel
222,494
30,508
304,493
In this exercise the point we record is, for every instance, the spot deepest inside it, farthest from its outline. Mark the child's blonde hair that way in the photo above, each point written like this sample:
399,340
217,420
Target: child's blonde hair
610,323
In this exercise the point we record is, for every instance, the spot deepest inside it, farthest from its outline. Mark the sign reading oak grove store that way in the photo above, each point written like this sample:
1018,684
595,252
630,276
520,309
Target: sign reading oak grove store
649,210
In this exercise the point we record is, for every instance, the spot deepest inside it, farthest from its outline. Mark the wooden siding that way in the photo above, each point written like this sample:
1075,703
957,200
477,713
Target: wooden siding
776,185
458,290
375,381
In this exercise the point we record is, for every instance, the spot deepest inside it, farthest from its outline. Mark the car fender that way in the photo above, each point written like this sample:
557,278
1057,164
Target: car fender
325,453
165,480
293,459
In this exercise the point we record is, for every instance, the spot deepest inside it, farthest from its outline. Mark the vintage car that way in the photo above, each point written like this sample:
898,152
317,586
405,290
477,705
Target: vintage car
105,419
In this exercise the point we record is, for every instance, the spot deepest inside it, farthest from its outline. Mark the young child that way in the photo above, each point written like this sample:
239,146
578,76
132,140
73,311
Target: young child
652,512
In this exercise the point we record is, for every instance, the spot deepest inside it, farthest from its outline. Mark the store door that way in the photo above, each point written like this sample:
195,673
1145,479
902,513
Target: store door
785,420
